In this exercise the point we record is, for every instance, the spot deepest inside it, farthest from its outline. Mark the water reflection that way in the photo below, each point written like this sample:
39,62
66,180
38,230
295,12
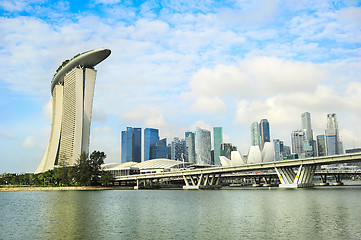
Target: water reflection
166,214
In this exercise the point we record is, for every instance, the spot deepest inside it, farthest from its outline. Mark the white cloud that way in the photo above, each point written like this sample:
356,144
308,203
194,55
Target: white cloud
107,2
29,142
8,135
47,109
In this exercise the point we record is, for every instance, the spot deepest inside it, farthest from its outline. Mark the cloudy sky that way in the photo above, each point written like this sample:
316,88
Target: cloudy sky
176,65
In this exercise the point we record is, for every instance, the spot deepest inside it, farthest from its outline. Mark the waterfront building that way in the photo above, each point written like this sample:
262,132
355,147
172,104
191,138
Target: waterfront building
72,89
217,141
297,138
321,145
226,149
190,141
151,137
131,145
255,135
268,152
203,146
278,148
254,155
264,130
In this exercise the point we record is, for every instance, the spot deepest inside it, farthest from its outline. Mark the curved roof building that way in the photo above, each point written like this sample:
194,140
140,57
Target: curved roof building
72,90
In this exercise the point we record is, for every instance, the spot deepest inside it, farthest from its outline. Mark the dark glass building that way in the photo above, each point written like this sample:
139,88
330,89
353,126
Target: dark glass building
264,132
131,145
160,149
151,137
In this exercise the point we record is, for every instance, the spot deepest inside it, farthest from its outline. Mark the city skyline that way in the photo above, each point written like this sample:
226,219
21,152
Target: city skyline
177,65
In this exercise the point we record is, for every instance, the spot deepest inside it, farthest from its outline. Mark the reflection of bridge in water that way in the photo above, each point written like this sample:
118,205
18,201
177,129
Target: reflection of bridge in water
287,174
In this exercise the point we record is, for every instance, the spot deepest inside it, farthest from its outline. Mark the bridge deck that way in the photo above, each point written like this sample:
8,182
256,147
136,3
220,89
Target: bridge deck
345,158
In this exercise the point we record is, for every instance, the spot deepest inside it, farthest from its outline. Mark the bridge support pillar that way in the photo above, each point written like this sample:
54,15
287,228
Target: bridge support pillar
338,181
202,181
300,179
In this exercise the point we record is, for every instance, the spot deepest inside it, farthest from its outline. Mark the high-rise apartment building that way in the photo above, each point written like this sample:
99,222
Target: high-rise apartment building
264,132
217,141
203,146
255,135
190,143
151,137
131,147
72,90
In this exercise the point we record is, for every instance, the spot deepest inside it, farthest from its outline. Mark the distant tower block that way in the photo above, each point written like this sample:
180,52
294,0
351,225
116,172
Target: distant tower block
72,90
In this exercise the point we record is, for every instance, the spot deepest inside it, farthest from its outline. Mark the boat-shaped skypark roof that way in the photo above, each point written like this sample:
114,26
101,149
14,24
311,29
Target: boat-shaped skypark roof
87,59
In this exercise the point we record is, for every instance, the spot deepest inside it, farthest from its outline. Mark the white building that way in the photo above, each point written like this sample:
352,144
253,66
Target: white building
72,90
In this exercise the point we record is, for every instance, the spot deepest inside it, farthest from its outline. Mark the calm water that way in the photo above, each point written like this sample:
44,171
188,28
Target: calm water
327,213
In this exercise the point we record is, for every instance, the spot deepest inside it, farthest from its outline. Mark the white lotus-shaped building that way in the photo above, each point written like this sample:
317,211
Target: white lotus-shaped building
254,156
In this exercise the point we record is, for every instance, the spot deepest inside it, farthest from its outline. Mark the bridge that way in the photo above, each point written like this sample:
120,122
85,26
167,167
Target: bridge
297,173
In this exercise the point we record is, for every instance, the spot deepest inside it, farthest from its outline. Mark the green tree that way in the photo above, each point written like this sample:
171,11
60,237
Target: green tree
84,170
96,159
106,178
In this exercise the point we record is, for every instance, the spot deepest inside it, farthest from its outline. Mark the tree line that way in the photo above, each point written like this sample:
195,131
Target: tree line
86,172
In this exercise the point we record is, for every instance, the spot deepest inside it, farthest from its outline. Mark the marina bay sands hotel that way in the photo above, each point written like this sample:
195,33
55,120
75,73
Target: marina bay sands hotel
72,90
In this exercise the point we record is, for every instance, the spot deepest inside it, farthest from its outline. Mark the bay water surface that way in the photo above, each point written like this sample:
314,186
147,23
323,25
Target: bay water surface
316,213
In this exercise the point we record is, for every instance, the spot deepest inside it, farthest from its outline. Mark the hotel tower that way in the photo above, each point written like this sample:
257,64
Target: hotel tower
72,90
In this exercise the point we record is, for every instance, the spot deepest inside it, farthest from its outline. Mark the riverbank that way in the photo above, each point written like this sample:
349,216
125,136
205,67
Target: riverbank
79,188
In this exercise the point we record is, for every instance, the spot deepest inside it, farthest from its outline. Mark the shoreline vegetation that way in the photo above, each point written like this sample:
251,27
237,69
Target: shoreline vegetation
10,188
86,174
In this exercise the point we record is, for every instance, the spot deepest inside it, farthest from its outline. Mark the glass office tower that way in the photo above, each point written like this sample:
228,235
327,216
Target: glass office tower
264,132
217,140
255,134
131,145
203,146
190,142
151,137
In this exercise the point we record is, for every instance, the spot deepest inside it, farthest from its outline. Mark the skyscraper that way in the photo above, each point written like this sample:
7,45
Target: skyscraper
72,90
264,132
297,138
151,137
255,135
160,149
217,141
333,141
321,145
203,146
131,145
190,142
309,143
306,125
178,149
278,147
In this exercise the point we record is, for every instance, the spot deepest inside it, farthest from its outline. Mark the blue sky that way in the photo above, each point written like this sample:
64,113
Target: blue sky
176,65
